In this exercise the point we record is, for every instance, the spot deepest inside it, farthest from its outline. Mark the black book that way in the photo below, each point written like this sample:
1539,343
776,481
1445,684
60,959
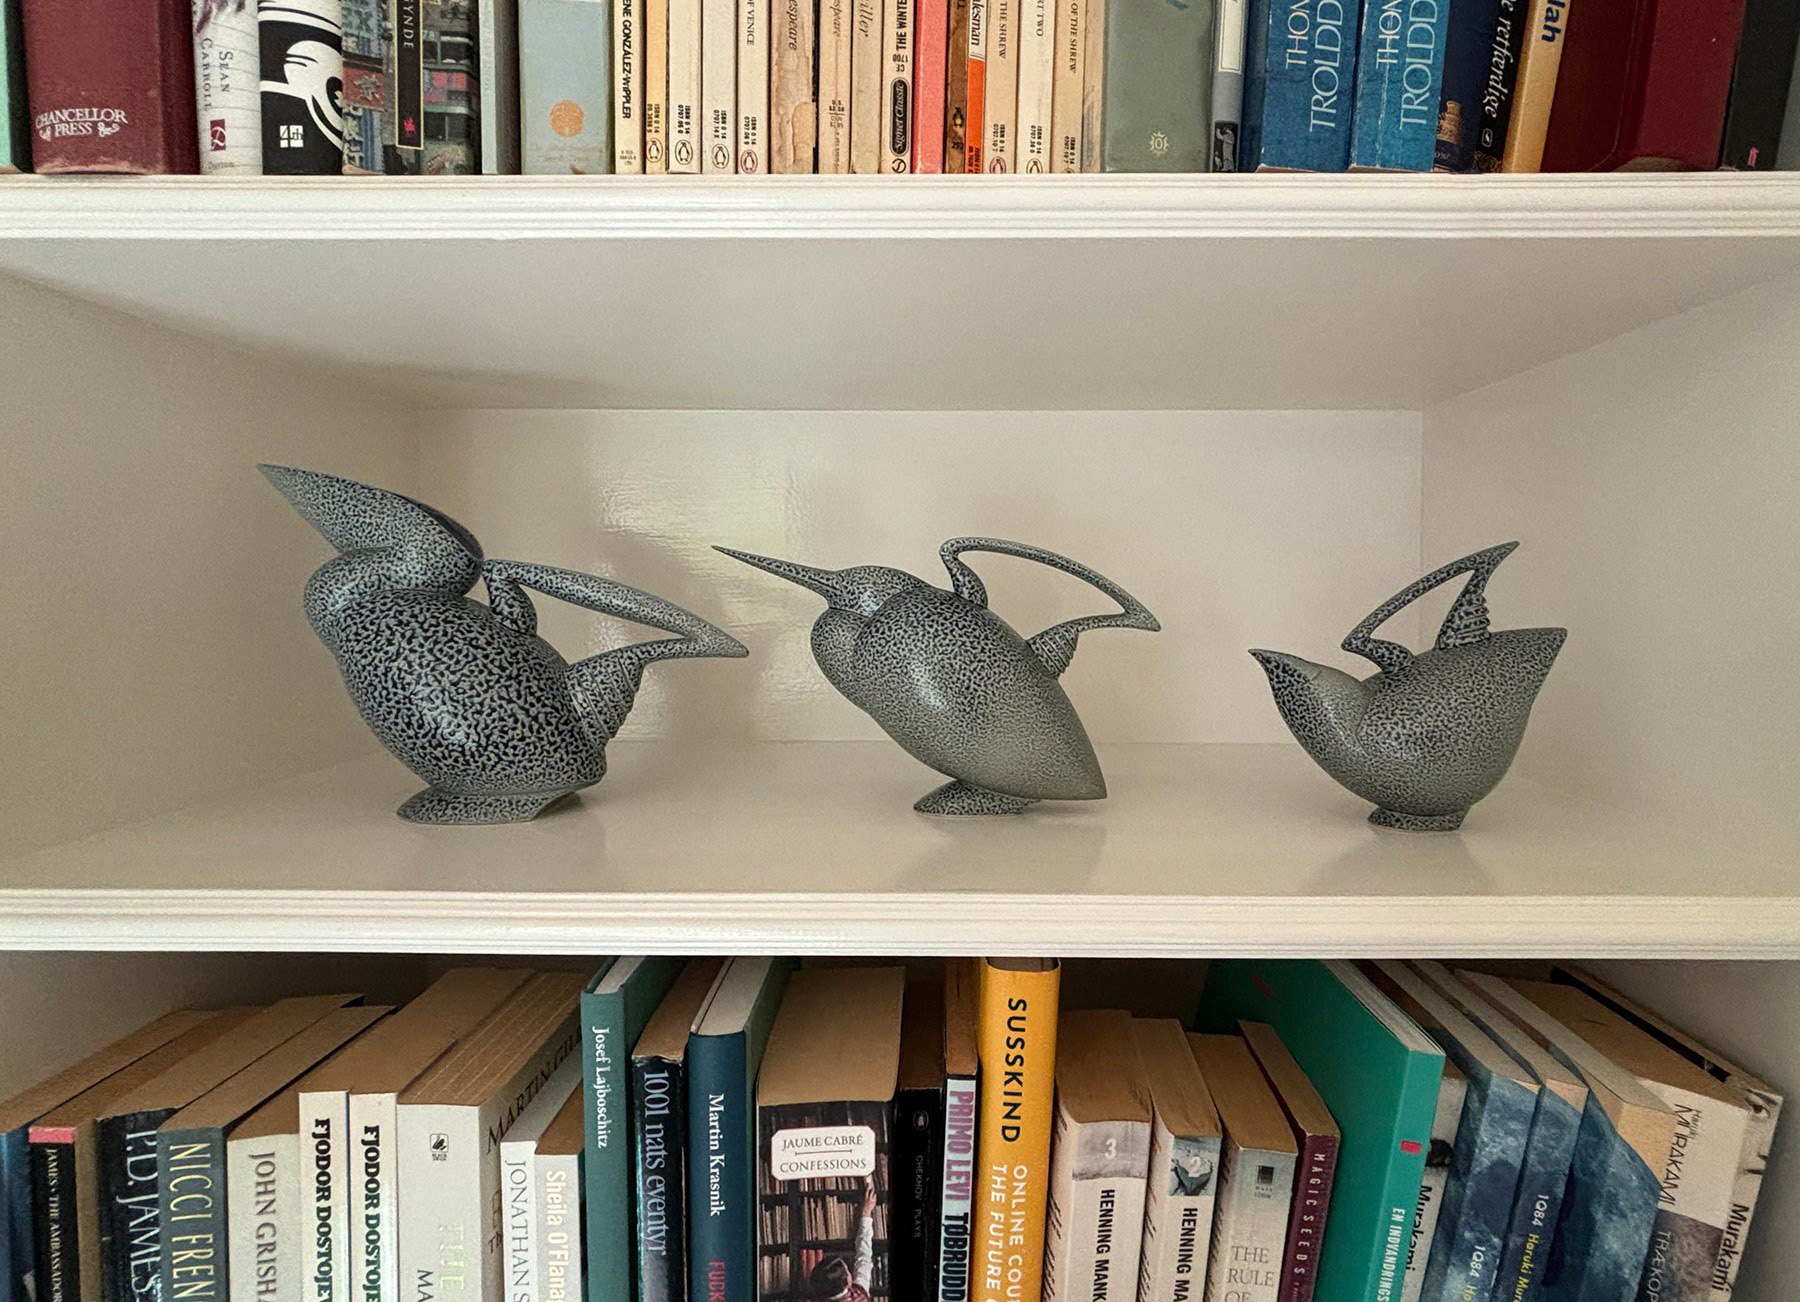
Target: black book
301,46
1759,84
1501,77
919,1143
58,1225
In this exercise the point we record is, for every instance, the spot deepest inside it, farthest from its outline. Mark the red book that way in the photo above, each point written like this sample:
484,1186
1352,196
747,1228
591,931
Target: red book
1644,84
1318,1138
931,37
110,85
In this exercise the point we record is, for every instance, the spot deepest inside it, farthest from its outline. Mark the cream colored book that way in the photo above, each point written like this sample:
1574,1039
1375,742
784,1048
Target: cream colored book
1256,1180
837,25
1038,50
1185,1148
1093,85
753,87
793,111
628,86
718,85
656,86
521,1232
685,134
1069,85
1000,102
866,81
896,86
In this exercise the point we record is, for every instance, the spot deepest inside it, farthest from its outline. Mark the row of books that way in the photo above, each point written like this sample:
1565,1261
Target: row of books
748,1128
891,86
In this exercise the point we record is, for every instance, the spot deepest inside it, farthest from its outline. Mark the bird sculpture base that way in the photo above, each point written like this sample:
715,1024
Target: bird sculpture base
960,798
444,807
1418,822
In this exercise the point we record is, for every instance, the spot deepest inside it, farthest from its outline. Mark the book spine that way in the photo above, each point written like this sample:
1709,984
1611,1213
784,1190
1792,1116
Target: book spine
686,136
1536,1209
1157,98
918,1186
1068,85
263,1185
1759,84
1017,1037
519,1221
659,1101
606,1155
1426,1212
793,108
559,1223
753,67
1037,54
1759,1137
1227,115
1000,112
227,89
1306,1218
1095,1218
15,156
656,87
1178,1216
956,1200
1534,87
130,1224
1609,1212
718,87
301,48
896,86
1468,52
1250,1225
565,100
722,1225
374,1121
1399,84
50,1269
627,86
1093,85
931,36
367,36
837,25
441,1189
1699,1187
956,89
190,1167
491,1121
866,86
496,89
1500,81
975,74
324,1117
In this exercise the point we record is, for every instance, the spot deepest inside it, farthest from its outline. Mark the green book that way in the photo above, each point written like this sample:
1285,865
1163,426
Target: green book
15,131
1156,86
620,999
1378,1073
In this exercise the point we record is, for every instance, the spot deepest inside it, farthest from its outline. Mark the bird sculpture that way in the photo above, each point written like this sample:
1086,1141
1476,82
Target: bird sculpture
1432,733
952,682
466,695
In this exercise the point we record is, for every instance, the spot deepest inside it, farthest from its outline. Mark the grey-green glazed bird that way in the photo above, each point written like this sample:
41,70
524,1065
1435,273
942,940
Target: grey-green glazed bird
952,682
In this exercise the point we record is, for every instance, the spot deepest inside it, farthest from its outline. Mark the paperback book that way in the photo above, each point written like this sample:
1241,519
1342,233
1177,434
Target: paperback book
522,1194
1256,1181
918,1156
565,110
1300,74
227,86
1317,1139
301,48
962,1065
1399,85
1185,1152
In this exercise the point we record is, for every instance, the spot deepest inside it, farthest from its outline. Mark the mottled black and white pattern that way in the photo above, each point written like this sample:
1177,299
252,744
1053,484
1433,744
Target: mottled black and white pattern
467,695
1430,734
954,684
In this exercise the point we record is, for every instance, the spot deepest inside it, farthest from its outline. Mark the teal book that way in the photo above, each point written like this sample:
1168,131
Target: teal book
1300,72
1399,85
614,1007
15,132
724,1055
1378,1073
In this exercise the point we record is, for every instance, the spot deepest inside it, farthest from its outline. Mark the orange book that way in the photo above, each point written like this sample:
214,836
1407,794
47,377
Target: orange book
1017,1034
975,120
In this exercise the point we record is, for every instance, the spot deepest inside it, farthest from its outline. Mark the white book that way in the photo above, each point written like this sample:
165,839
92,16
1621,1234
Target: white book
1093,81
897,86
1069,85
1445,1122
1256,1174
228,86
1037,42
520,1229
1000,104
753,87
718,85
866,81
837,24
497,63
686,134
1182,1185
628,86
263,1182
324,1131
559,1221
656,86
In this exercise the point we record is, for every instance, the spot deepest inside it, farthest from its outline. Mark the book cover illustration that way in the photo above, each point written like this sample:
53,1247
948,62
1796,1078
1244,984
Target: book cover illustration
1299,79
433,85
367,34
302,53
825,1200
1399,85
227,85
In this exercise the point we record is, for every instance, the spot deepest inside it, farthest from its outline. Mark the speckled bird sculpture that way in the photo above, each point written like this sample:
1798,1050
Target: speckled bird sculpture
951,681
467,695
1430,734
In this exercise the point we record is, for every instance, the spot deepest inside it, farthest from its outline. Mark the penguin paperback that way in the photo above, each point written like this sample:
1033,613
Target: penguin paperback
1069,84
1000,83
1299,80
1038,50
1399,83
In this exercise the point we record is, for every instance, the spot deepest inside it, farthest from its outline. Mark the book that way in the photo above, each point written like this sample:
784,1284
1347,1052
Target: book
301,50
918,1156
896,86
1000,82
1016,1034
1399,85
525,1267
659,1109
687,135
1256,1176
111,87
1377,1072
1427,1217
956,89
1468,58
1500,80
1093,82
718,85
825,1116
227,86
614,1010
1156,87
1762,1100
129,1219
15,129
1757,103
1602,1238
191,1161
558,1191
368,117
496,88
1035,38
656,87
565,112
1316,1139
931,38
793,106
1227,109
1299,77
753,87
1069,84
448,1125
1643,85
962,1066
724,1054
433,45
1550,1148
372,1075
628,85
837,27
1534,86
975,88
1699,1172
265,1185
1100,1163
868,80
1185,1152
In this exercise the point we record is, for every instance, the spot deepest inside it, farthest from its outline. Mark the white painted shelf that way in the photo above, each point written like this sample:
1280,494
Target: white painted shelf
813,848
810,293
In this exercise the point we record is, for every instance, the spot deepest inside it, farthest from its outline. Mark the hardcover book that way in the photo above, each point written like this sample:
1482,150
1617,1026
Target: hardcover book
301,47
896,86
1185,1143
227,86
1316,1137
1256,1180
111,87
558,1191
1037,56
918,1160
659,1111
1468,59
1757,105
1000,82
1156,90
15,129
450,1122
1500,79
868,79
656,87
753,87
1429,1214
1069,84
1017,1037
686,132
1227,109
615,1008
837,25
497,86
628,85
724,1054
825,1103
522,1230
1377,1072
962,1065
565,105
1399,85
718,86
931,37
793,108
1300,72
1100,1164
956,90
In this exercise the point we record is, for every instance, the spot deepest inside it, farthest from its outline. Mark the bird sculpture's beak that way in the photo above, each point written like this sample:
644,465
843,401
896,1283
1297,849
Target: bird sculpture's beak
824,582
1279,665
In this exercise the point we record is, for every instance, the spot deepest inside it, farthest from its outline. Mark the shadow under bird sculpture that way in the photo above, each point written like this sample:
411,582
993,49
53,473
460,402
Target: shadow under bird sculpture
1432,733
952,682
467,695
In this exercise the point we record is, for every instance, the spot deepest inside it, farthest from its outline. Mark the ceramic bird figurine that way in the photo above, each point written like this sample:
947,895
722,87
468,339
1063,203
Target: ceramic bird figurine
951,681
467,696
1430,734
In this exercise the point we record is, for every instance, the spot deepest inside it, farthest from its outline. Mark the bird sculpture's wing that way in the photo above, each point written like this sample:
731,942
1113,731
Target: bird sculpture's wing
1055,646
1465,625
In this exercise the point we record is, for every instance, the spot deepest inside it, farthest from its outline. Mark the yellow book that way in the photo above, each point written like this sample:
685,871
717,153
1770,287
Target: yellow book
1017,1032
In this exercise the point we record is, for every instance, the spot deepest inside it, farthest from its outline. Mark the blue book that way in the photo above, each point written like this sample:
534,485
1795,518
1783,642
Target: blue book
15,1217
1300,78
1399,84
1378,1073
1609,1209
1468,59
724,1055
